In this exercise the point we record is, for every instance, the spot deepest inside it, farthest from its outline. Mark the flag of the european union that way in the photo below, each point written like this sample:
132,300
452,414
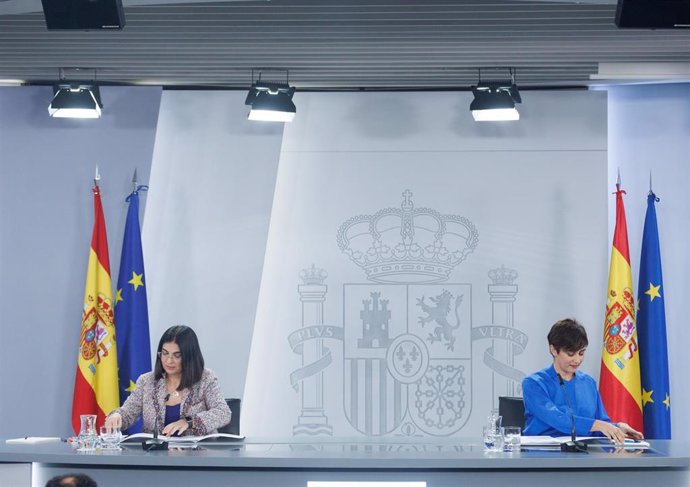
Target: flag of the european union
651,332
131,310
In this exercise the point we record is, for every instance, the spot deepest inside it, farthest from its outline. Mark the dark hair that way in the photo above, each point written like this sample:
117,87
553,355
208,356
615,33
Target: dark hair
568,334
192,359
71,480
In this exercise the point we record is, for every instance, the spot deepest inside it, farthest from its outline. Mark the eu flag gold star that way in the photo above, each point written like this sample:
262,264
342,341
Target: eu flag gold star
667,401
653,291
136,280
646,397
118,296
131,387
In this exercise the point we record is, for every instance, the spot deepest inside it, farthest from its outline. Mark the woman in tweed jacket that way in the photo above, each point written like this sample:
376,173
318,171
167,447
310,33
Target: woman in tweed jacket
180,395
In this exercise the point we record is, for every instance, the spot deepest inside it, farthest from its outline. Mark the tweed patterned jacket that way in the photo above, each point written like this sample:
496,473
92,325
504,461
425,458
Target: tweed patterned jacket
203,402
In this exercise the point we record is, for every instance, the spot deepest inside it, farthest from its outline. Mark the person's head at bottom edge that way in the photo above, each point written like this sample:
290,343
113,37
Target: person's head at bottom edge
72,480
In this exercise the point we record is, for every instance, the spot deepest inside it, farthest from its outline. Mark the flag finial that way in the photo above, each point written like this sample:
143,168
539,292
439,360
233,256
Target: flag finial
618,180
134,181
650,182
96,177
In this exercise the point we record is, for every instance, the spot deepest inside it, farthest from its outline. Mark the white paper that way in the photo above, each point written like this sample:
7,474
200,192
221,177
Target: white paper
32,440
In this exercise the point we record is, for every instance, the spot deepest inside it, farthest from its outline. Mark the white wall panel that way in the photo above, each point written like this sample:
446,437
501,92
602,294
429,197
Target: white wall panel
204,234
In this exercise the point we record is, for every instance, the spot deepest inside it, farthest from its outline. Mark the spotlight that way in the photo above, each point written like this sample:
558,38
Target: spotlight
271,102
495,100
75,100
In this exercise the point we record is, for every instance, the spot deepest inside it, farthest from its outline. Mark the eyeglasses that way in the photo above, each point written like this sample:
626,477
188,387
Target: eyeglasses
164,355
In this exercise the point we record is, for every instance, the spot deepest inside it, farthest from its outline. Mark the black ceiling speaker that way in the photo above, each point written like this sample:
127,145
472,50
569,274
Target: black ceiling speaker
653,14
84,14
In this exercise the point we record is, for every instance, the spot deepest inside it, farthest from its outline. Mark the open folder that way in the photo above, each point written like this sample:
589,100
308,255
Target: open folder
212,438
555,441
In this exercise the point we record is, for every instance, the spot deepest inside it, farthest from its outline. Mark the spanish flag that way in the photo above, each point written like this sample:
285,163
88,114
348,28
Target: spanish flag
619,383
95,386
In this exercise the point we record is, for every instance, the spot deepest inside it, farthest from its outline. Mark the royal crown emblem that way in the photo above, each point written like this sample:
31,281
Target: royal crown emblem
407,244
503,276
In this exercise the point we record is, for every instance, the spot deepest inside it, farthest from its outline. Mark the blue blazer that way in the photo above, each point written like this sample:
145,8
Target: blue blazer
546,410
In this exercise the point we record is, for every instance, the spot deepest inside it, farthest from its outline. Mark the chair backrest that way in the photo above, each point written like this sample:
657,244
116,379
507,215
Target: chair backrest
513,411
233,427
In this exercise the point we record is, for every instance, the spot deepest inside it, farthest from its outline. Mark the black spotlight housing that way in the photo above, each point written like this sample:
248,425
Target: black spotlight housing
75,100
271,102
495,101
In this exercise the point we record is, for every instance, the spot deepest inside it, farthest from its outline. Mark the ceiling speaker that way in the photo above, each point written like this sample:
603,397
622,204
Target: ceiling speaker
84,14
653,14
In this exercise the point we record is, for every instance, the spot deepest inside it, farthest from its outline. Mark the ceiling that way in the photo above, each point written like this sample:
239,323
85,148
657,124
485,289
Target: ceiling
345,44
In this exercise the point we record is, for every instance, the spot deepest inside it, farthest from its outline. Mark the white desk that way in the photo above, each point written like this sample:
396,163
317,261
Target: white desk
292,463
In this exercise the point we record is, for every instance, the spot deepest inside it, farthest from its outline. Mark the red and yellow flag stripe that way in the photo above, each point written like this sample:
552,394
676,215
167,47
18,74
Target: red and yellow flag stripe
619,383
95,385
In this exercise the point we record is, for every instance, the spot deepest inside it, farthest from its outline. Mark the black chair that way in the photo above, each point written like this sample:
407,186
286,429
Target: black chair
233,427
513,411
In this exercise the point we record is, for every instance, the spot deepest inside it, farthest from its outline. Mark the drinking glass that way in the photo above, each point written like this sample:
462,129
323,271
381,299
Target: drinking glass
110,438
511,438
493,439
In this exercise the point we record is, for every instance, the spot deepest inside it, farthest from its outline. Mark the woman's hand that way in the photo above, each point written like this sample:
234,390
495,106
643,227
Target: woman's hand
630,432
178,427
114,420
611,431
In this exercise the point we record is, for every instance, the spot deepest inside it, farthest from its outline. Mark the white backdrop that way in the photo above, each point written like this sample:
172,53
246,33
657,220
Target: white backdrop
520,209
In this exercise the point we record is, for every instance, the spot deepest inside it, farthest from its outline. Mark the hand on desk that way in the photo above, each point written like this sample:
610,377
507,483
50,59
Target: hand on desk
178,427
630,432
114,420
615,433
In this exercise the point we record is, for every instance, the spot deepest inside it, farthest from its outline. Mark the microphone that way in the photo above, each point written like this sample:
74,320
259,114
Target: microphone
572,446
154,443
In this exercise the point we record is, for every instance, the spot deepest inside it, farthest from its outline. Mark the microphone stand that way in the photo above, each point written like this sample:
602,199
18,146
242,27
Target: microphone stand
155,443
574,445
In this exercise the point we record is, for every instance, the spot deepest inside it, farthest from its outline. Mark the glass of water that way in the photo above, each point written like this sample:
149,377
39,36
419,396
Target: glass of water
493,439
511,438
110,438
